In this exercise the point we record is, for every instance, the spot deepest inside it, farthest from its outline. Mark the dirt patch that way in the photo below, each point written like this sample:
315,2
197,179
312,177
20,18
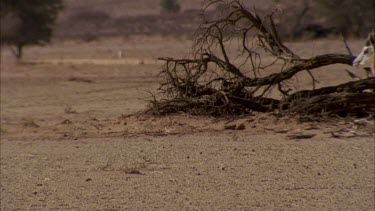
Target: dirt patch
76,145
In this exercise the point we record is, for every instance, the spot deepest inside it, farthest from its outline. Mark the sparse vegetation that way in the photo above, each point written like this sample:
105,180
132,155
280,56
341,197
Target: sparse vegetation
74,135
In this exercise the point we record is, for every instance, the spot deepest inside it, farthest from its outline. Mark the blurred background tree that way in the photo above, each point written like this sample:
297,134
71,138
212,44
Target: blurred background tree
350,17
27,22
170,6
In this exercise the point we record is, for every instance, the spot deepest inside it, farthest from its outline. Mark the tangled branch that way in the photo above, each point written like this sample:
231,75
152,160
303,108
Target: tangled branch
219,81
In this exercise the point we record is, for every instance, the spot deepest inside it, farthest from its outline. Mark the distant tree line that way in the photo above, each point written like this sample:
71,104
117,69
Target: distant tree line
30,22
319,18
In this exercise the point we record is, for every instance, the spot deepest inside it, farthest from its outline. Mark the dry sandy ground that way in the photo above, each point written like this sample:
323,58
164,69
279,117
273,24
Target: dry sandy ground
70,140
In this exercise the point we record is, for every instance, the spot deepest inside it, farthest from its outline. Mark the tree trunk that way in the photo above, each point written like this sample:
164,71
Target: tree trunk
17,51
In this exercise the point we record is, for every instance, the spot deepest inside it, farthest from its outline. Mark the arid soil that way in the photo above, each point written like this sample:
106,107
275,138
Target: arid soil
74,137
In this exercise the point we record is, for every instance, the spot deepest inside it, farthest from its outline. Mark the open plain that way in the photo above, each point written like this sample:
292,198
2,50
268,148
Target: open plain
74,137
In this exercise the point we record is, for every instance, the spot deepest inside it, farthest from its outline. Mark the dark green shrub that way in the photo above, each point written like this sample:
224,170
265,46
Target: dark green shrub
170,6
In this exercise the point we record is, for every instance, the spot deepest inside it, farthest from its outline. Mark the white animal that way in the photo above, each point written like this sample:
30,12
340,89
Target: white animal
120,54
367,51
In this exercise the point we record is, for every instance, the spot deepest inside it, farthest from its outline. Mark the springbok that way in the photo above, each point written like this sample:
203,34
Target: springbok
367,51
120,54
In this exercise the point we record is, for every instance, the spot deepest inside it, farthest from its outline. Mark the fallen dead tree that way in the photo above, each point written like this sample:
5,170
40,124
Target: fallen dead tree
218,82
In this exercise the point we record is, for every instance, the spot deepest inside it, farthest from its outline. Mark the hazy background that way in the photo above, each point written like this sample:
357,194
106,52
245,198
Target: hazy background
305,19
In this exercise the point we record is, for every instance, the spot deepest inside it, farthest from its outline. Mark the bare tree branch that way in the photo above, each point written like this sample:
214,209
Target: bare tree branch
213,83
